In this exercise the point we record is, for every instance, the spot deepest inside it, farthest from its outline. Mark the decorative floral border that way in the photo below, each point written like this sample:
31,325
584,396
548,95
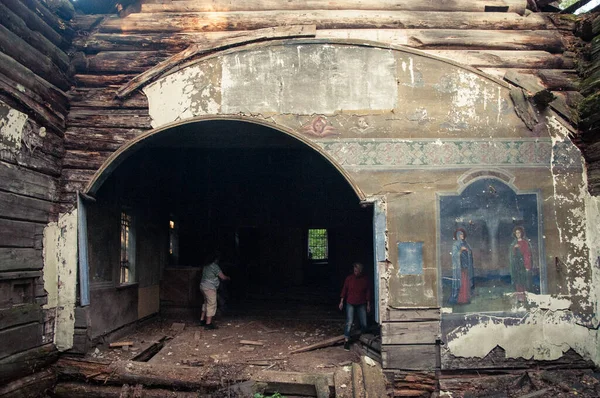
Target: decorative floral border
437,153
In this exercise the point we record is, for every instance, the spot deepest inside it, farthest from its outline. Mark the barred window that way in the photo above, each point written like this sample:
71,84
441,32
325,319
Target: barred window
127,249
317,244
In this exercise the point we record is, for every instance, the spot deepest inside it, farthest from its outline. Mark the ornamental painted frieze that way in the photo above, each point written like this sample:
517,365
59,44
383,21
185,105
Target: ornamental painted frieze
423,153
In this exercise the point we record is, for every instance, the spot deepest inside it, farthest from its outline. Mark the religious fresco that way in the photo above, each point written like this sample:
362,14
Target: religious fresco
491,250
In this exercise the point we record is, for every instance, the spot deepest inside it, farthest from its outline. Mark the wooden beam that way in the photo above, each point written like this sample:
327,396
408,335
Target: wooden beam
199,49
35,385
15,47
24,208
33,160
322,19
108,118
506,59
16,25
50,18
36,23
517,6
410,332
559,80
86,390
19,233
20,339
409,357
99,80
20,315
55,98
321,344
20,259
523,107
34,106
84,159
118,61
27,362
547,40
105,98
99,139
25,182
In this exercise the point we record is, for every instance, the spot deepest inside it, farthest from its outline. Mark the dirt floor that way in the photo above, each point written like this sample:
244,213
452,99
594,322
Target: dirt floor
251,339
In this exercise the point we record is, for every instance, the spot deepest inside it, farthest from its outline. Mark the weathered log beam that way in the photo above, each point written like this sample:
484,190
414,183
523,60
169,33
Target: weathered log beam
20,315
548,40
127,372
108,118
455,38
74,180
33,160
15,47
50,18
322,19
506,59
34,22
199,49
16,25
559,80
516,6
99,139
20,259
85,80
105,98
55,98
27,362
34,385
20,234
81,390
26,209
118,61
33,106
25,182
132,61
85,159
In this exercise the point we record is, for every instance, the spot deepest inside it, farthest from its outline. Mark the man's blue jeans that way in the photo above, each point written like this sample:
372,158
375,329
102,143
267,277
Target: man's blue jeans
361,309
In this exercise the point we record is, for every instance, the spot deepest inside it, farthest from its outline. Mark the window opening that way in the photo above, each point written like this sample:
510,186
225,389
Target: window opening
173,242
127,249
318,249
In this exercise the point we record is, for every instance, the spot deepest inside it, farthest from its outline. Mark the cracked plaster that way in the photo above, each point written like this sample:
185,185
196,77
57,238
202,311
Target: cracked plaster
12,124
60,276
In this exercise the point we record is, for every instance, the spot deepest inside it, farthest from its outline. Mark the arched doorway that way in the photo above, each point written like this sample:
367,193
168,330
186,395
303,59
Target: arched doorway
285,220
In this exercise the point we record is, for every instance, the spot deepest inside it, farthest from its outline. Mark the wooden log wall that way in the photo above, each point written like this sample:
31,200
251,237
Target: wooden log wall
589,125
35,74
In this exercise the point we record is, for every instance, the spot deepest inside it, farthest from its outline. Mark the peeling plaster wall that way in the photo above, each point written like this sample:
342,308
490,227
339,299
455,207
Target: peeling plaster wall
408,129
60,275
12,123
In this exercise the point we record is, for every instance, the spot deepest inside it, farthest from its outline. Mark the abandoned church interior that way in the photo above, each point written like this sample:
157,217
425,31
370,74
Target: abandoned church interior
449,147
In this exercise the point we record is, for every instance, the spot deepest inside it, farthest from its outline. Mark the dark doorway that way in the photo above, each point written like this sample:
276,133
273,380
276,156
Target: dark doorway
243,190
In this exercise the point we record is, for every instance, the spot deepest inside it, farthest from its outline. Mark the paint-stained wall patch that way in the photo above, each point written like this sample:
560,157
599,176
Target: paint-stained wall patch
12,123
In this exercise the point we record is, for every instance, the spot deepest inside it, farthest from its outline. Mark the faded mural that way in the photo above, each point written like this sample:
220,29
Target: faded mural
491,246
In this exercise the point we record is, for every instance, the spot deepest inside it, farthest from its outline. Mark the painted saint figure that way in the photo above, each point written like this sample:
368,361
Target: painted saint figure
521,263
462,269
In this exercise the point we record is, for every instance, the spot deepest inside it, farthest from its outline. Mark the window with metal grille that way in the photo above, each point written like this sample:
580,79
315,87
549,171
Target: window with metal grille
127,249
317,244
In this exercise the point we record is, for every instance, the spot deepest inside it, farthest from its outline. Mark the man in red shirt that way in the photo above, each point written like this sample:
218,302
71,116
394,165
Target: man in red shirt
357,293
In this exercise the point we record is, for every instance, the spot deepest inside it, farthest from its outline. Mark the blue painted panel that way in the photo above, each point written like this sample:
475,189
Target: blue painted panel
410,258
